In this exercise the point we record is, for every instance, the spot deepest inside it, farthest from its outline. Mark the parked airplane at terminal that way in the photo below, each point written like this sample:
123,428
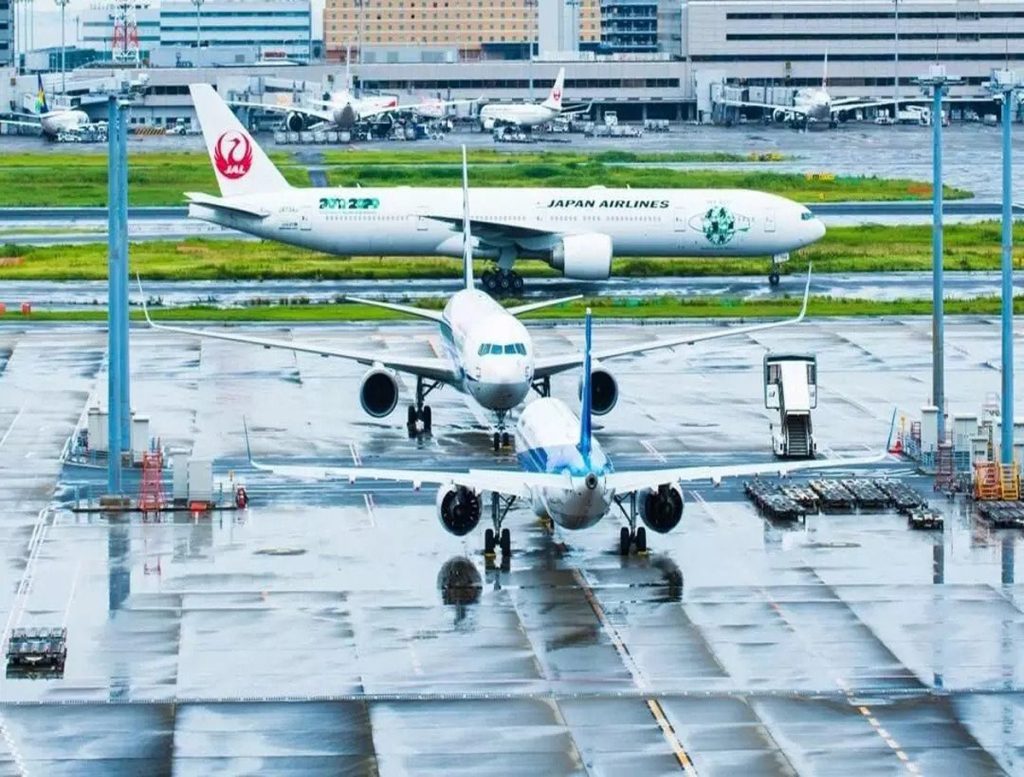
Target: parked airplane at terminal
489,354
577,231
565,475
525,115
53,123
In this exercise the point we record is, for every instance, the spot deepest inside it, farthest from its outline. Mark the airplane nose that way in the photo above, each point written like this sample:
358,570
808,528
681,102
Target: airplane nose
817,230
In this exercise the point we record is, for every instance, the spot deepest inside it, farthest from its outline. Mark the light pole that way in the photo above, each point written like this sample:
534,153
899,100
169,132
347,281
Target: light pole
63,48
199,27
936,83
1004,84
896,66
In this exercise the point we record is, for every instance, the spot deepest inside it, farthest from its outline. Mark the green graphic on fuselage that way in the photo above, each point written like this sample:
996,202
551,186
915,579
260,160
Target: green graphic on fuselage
719,225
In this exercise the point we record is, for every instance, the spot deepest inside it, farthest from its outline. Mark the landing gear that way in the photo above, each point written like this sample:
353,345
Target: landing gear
773,274
502,283
501,438
499,537
631,536
420,418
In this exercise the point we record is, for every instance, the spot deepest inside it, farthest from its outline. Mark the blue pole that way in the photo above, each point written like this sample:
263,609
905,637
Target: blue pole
122,223
938,323
1006,440
113,299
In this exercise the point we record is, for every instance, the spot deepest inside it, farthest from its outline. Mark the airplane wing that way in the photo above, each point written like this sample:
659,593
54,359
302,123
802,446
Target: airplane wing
545,367
16,123
430,315
433,369
768,106
276,108
629,481
491,230
529,307
506,482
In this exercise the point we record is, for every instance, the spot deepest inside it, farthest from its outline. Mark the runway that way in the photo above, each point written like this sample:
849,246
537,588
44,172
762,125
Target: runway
78,295
338,629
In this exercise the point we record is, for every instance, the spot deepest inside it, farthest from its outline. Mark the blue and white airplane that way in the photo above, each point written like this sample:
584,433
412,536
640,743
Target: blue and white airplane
565,475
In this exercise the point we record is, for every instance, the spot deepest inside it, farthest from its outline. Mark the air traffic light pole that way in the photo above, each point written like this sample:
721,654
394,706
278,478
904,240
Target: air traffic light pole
1004,83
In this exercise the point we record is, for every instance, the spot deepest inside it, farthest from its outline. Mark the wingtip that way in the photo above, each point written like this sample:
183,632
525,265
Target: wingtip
142,296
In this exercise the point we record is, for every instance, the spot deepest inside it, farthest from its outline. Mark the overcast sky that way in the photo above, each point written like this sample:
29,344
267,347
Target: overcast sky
47,21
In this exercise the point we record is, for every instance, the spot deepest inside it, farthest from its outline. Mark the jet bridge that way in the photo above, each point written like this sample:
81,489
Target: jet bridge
791,387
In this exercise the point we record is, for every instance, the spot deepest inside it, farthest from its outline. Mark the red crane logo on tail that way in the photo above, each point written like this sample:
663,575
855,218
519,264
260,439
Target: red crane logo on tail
556,94
232,154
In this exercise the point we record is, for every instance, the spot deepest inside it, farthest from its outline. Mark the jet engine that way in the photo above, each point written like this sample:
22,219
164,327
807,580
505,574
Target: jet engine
295,122
378,393
662,509
604,390
584,257
459,509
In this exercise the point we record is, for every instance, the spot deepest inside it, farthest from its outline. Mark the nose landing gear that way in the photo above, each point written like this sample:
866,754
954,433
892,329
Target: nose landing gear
501,439
773,274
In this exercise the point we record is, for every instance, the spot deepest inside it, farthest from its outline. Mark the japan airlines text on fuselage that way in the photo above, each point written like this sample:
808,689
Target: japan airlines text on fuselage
416,221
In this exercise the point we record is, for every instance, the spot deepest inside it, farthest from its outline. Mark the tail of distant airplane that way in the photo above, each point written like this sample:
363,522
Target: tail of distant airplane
554,101
240,164
41,106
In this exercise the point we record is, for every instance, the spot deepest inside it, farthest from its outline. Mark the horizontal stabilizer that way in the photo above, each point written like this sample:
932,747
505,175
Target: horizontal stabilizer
519,310
218,203
409,310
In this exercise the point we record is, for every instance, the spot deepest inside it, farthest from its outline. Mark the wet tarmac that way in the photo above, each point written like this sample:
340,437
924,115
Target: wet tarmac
336,629
75,295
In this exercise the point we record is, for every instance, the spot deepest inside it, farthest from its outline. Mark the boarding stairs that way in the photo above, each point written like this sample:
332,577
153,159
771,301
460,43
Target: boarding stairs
791,388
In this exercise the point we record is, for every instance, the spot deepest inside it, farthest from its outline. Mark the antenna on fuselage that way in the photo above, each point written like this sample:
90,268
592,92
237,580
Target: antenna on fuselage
467,235
585,392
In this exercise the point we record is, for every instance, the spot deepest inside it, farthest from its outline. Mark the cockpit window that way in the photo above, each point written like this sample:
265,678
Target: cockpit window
510,348
521,349
806,216
484,348
495,349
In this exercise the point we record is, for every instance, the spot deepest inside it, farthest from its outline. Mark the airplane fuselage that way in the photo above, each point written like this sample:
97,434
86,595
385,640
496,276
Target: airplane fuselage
547,440
489,348
527,222
516,114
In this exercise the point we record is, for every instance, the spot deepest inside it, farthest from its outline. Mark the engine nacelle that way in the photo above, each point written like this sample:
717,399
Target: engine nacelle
779,116
295,122
378,393
661,509
584,257
604,390
459,509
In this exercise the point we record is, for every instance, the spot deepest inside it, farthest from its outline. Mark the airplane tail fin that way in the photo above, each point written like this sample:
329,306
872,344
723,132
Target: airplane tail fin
554,101
41,106
467,236
586,389
239,163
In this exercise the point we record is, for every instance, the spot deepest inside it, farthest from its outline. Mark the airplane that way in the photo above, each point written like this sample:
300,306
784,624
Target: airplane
525,115
53,123
576,231
564,475
813,105
489,354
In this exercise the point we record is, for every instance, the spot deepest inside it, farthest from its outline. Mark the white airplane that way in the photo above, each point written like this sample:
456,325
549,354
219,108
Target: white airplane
489,354
576,231
564,475
53,123
524,115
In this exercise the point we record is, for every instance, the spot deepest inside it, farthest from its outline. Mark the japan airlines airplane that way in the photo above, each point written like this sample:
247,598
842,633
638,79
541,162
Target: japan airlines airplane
489,354
565,475
52,122
525,115
577,231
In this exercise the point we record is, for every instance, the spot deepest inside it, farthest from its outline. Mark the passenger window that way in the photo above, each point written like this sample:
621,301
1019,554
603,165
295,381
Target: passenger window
483,349
495,349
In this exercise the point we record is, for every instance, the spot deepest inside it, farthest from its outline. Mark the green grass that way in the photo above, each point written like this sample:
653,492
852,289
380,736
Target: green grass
844,249
487,156
162,178
656,307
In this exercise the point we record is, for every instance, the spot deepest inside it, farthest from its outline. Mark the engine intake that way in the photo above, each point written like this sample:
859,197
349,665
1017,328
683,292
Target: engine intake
604,391
378,393
584,257
459,509
295,122
661,510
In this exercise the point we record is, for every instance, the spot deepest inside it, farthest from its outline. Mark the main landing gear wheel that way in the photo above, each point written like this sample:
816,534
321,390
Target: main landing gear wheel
489,542
417,417
501,283
506,440
636,538
641,540
773,278
506,543
497,442
624,541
